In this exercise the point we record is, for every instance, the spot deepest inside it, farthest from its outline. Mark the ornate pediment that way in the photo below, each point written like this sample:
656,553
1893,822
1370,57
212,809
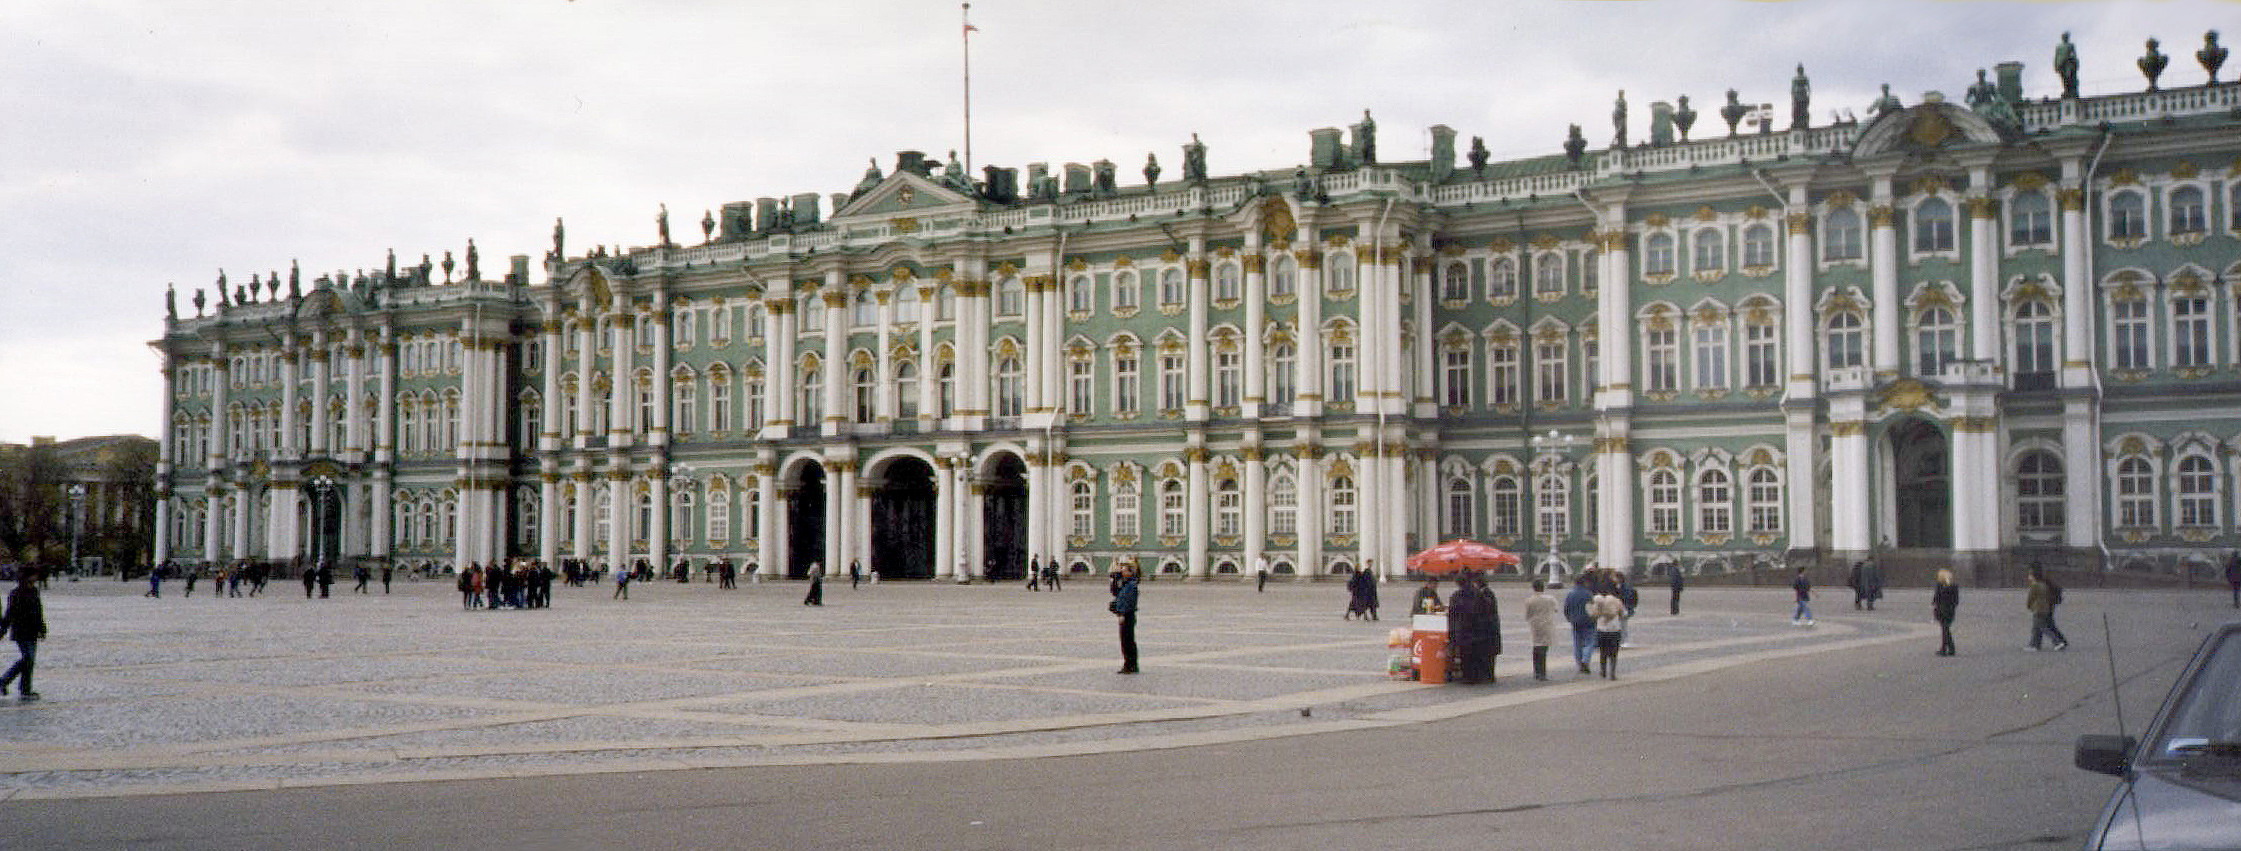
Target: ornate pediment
904,194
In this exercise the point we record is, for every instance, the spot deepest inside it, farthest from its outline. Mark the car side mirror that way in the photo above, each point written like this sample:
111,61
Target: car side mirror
2105,754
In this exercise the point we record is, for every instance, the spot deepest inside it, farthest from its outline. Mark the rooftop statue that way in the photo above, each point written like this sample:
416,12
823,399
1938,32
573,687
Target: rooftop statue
390,272
1478,156
1103,181
254,285
1801,96
953,174
474,261
1684,118
425,266
295,285
872,177
559,239
2153,63
295,274
2211,55
1618,121
448,265
199,301
239,296
222,298
1985,99
1365,140
661,225
2066,65
1194,161
707,226
1151,170
1887,103
170,302
1575,147
1733,112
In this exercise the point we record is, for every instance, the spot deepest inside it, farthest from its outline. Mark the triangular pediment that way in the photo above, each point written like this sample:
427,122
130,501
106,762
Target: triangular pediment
904,193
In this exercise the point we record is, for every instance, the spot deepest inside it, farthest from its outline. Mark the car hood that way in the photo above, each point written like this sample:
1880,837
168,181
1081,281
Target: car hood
2175,812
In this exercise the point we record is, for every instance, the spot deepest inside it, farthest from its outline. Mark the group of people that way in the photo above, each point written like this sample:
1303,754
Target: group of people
1041,574
520,584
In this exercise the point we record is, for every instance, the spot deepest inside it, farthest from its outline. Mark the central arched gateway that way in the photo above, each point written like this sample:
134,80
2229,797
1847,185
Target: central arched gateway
1922,477
805,522
902,524
1004,519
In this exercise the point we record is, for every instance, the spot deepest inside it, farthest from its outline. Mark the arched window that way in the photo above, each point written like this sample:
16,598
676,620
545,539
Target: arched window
2039,492
1283,505
642,520
719,515
1765,501
2128,215
1009,384
1937,342
1011,297
1715,502
1226,282
1283,364
906,390
1501,279
1229,509
603,510
2197,493
1283,276
867,310
1128,293
532,421
1665,503
1840,235
1710,246
1127,510
1933,226
1657,254
1082,504
945,303
2034,344
906,303
1505,515
1338,272
1171,291
2030,220
681,509
1172,521
1847,340
1341,505
946,390
1548,275
2189,213
1461,509
2135,503
1081,296
812,314
1758,247
527,518
1455,282
812,401
866,396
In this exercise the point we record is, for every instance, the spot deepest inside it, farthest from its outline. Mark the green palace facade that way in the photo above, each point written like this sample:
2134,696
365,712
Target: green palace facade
1985,333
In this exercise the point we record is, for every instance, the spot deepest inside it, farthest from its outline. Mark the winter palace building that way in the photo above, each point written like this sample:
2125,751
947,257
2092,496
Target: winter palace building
1983,331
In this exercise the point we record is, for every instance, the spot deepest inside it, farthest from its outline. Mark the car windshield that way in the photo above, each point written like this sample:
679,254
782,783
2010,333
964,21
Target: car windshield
2209,712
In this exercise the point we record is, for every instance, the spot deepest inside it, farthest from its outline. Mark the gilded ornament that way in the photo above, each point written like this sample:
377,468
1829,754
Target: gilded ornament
1656,220
1707,214
1800,224
1906,394
1842,198
2029,181
1754,212
1880,216
2124,177
1847,428
1981,207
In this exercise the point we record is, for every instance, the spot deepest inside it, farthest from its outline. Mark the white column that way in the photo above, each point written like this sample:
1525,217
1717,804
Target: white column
1801,446
290,373
1369,484
1615,477
380,513
1311,511
778,372
1199,511
1038,352
321,421
1194,384
1883,265
243,504
385,417
2081,466
840,484
354,402
859,523
1309,381
1038,508
658,433
883,384
1256,359
976,532
929,409
1395,558
1256,500
213,538
622,405
167,457
781,533
1420,287
2077,292
657,532
548,437
1801,478
945,515
1849,480
1976,473
1984,276
581,534
836,368
618,522
768,519
548,518
587,361
220,381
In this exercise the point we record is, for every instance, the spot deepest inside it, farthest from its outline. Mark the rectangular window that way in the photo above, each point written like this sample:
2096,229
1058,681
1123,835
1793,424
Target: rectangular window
1342,373
1227,378
1549,367
1171,381
2129,324
1501,374
1759,355
1127,383
1127,512
1590,362
1711,356
1662,367
2190,331
1456,377
1081,387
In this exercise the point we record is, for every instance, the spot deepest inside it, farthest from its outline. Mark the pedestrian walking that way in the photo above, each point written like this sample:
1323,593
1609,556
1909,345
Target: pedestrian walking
1673,574
622,585
192,575
2041,598
855,574
1852,580
1124,607
1050,575
1540,620
310,580
1479,636
1628,595
387,570
1583,624
364,575
816,585
1034,573
1609,613
155,582
1945,601
24,620
1260,576
1803,615
326,578
1871,583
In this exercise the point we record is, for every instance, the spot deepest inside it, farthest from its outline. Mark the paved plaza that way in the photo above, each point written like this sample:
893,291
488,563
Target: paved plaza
196,694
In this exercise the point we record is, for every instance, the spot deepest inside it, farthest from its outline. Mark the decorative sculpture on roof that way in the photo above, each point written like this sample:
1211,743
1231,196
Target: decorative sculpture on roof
707,226
1103,182
1365,140
425,266
1575,147
200,300
389,272
239,296
295,286
1684,118
559,238
448,266
1618,121
1194,161
2211,55
871,178
1887,103
1478,156
1303,184
953,174
1151,170
2066,66
254,285
661,226
474,261
2153,63
1801,97
295,274
170,302
1733,112
223,299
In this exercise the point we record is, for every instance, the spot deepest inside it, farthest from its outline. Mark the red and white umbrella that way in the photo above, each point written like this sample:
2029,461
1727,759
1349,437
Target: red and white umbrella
1460,555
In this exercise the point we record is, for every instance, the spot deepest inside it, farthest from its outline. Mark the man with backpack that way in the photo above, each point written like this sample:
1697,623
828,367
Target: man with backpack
2041,599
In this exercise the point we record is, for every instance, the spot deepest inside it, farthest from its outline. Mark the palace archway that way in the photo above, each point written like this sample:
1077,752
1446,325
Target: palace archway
902,524
1922,477
1004,519
805,520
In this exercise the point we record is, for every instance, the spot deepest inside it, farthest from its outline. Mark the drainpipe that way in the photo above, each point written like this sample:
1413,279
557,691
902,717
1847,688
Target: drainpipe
2094,423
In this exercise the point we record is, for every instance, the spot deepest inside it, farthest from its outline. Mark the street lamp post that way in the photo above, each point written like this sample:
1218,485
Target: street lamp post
77,524
1552,442
322,490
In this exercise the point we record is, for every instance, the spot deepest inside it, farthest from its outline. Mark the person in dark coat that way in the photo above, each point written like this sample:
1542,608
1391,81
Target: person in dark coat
1124,607
1362,599
2233,576
1945,601
24,620
1583,626
1034,573
326,579
855,574
1475,621
310,579
1802,588
1871,583
387,572
816,586
1673,572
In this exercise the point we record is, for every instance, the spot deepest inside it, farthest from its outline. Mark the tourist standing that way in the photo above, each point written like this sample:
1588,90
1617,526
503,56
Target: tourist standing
2233,576
25,621
1124,607
816,585
1609,613
310,580
1673,574
1540,618
469,595
1858,584
1803,587
155,582
1583,624
622,586
2041,598
326,579
192,575
1945,601
1871,582
1481,633
1260,577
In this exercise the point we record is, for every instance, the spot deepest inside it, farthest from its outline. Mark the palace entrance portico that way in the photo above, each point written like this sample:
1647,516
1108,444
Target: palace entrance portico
1914,471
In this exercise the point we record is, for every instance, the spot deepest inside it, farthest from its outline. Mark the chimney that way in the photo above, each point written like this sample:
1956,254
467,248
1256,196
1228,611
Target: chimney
805,208
1443,152
1324,152
2011,81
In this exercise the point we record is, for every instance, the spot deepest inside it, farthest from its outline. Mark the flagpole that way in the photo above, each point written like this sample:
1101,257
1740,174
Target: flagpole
967,35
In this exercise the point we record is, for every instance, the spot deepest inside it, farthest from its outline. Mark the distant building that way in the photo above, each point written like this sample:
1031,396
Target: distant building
1982,335
101,485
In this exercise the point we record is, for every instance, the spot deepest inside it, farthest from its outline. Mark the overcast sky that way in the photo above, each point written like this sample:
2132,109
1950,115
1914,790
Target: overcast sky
160,141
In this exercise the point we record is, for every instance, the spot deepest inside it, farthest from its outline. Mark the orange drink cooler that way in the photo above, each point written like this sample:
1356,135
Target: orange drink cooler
1427,648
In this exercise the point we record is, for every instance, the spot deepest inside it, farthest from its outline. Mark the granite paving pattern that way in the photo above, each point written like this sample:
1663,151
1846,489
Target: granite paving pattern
150,696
